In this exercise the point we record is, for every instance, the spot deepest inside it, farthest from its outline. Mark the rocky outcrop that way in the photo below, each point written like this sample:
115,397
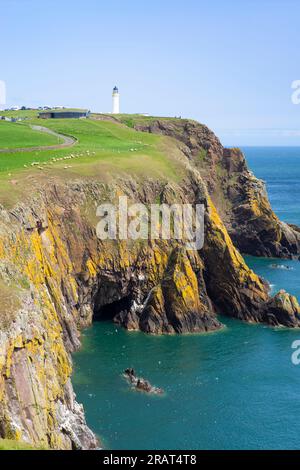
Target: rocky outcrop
37,334
237,291
178,303
141,384
240,197
282,309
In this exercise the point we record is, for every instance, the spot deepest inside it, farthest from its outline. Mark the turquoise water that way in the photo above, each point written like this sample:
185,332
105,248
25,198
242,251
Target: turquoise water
234,389
280,168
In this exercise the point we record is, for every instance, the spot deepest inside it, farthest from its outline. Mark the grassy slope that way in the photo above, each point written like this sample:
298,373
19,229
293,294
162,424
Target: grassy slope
132,119
20,135
28,114
115,146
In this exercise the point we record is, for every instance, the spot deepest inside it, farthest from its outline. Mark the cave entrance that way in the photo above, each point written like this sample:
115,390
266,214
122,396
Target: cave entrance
110,310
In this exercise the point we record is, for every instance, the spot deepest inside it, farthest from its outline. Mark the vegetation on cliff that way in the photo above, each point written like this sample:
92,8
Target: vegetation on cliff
10,444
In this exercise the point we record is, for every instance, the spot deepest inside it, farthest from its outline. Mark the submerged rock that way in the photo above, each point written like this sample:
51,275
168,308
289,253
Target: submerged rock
281,266
140,383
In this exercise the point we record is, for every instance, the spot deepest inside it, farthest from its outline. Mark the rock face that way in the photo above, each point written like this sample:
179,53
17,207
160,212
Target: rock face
282,309
178,303
239,197
56,276
37,333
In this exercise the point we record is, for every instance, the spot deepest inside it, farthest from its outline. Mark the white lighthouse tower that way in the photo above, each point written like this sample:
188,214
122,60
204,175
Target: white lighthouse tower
116,101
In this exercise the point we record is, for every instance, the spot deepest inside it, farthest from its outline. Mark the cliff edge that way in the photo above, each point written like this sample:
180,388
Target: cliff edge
240,197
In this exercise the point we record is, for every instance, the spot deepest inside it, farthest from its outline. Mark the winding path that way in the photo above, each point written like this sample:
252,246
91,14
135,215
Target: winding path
67,142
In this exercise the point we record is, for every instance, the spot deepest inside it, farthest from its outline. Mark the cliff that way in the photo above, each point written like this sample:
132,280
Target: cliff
241,198
56,277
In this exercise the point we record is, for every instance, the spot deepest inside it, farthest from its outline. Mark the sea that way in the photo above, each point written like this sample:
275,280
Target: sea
232,389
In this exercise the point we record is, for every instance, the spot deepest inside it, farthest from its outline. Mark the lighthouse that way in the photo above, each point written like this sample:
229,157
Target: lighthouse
116,101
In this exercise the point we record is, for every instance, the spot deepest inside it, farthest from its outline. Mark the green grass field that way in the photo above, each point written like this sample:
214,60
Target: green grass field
28,114
130,120
112,146
15,135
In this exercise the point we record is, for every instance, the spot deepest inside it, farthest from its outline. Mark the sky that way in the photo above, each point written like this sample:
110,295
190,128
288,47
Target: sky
228,64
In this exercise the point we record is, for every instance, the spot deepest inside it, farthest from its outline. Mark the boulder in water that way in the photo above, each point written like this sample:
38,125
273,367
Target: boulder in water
141,384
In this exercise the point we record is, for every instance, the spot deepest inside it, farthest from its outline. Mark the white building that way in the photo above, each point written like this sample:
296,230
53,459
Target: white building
116,101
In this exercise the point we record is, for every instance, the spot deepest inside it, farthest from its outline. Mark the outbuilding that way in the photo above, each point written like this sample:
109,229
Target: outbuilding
65,114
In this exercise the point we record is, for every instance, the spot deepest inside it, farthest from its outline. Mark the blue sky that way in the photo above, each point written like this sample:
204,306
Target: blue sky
228,64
